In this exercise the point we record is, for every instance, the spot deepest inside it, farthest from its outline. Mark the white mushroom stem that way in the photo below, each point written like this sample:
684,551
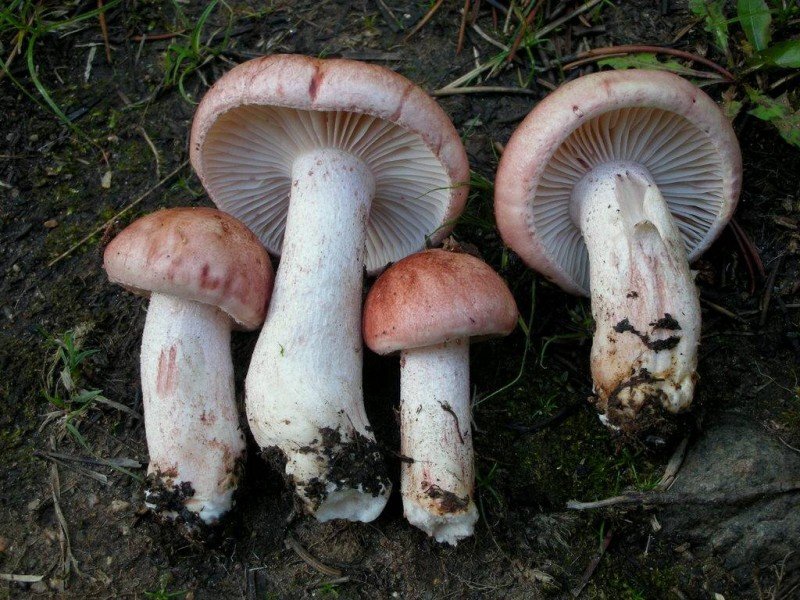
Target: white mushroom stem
437,483
644,300
190,415
304,392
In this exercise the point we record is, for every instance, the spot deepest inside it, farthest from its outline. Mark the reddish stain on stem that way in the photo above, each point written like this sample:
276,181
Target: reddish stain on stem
167,377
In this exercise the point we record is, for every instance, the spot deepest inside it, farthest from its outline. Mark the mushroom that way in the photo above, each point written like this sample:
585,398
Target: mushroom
609,187
204,273
427,307
336,165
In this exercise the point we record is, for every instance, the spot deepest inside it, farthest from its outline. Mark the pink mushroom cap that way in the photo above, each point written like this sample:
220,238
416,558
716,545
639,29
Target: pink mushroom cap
433,297
198,254
652,118
262,114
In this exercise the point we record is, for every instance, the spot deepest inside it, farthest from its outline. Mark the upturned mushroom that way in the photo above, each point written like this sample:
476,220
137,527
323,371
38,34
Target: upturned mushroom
337,166
427,307
609,188
204,273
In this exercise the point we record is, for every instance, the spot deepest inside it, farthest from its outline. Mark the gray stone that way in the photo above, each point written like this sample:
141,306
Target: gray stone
734,455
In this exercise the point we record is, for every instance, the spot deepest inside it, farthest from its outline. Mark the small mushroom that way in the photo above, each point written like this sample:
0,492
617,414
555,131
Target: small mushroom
427,307
337,166
204,273
609,187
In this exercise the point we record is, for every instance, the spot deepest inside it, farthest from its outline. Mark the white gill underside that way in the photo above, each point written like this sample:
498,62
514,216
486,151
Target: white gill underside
679,156
248,160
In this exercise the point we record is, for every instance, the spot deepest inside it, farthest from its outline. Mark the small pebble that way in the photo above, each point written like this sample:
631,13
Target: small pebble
51,224
105,182
119,505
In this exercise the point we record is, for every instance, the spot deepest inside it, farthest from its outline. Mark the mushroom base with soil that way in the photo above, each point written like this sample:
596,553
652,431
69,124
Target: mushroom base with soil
191,421
304,390
644,300
437,480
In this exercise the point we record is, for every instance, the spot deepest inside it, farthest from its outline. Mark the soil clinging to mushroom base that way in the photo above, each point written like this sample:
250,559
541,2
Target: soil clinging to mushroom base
168,500
356,464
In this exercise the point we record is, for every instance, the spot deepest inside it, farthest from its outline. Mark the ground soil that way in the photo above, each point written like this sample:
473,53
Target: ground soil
538,442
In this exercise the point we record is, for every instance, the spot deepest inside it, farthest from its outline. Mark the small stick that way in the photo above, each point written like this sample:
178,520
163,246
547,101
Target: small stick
631,48
152,149
752,259
20,578
462,29
489,89
118,215
104,29
723,311
547,422
391,20
155,37
592,567
559,22
673,466
666,498
522,29
768,292
293,544
424,20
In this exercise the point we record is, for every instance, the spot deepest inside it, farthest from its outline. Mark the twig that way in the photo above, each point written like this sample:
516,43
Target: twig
673,466
424,20
93,475
117,216
487,89
391,20
67,558
666,498
489,38
781,440
522,29
293,544
559,22
592,567
101,16
550,421
596,53
20,578
752,259
156,37
768,291
152,149
105,462
723,311
462,28
325,583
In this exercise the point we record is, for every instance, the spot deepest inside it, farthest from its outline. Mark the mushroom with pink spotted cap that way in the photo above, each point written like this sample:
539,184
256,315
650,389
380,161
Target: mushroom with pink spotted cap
204,273
609,187
427,307
336,165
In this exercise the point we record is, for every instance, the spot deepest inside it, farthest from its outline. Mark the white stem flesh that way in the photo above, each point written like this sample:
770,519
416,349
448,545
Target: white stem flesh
190,415
437,487
644,300
304,391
